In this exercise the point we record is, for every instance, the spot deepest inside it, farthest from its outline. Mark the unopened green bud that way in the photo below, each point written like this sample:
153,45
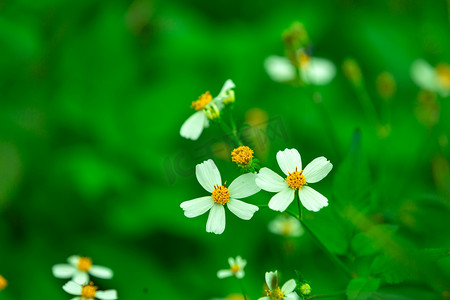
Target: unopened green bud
305,289
211,111
230,97
352,71
295,36
386,86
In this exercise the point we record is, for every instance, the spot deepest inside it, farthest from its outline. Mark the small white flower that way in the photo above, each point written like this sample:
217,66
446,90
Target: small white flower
286,226
290,163
275,293
209,178
431,79
88,292
279,68
236,268
79,269
207,108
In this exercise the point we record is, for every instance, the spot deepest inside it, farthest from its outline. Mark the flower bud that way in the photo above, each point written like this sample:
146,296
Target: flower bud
352,71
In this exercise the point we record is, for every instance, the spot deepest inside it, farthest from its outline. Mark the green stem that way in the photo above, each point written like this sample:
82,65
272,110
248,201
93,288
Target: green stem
241,284
333,257
326,295
367,103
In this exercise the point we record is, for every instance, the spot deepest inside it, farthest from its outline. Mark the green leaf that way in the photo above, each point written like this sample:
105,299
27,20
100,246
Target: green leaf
372,241
362,288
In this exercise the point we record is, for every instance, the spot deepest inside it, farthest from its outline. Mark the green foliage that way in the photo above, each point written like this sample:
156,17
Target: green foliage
362,288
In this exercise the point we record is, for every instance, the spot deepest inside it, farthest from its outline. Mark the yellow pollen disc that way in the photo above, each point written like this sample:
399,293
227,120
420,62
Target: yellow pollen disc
3,283
443,72
275,294
287,228
220,194
84,264
235,268
303,60
296,179
202,101
242,155
88,291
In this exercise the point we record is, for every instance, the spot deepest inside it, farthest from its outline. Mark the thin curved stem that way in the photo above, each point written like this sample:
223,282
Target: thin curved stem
326,295
241,284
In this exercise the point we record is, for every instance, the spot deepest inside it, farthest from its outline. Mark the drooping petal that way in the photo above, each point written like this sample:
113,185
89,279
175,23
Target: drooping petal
244,186
192,128
216,219
240,274
106,295
197,207
224,273
317,169
319,71
241,209
63,270
272,279
72,288
289,160
311,199
270,181
279,68
424,75
74,260
80,277
101,272
208,175
291,296
282,200
288,287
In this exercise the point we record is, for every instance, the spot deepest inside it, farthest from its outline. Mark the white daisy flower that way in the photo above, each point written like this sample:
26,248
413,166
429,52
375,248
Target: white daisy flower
207,108
209,178
313,70
88,292
236,268
275,293
431,79
286,226
290,163
79,269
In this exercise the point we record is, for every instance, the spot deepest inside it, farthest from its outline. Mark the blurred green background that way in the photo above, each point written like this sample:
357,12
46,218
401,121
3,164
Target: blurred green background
93,94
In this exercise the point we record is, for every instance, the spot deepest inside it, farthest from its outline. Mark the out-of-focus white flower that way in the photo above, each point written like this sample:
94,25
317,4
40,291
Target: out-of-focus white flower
279,68
88,292
236,268
286,226
431,79
275,293
207,108
209,178
79,269
290,163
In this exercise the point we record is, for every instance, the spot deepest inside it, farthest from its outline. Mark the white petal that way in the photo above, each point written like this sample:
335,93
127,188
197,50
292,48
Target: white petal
279,68
192,128
282,200
244,186
241,262
208,175
424,75
101,272
311,199
319,71
228,85
197,207
291,296
106,295
241,209
76,298
224,273
272,279
264,298
289,160
231,261
216,219
317,169
72,288
270,181
288,287
240,274
63,271
74,260
80,277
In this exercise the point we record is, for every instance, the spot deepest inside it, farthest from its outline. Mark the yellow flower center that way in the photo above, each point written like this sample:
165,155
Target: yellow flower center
287,228
88,291
235,268
303,60
296,179
242,155
202,101
221,194
443,72
3,283
84,264
275,294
